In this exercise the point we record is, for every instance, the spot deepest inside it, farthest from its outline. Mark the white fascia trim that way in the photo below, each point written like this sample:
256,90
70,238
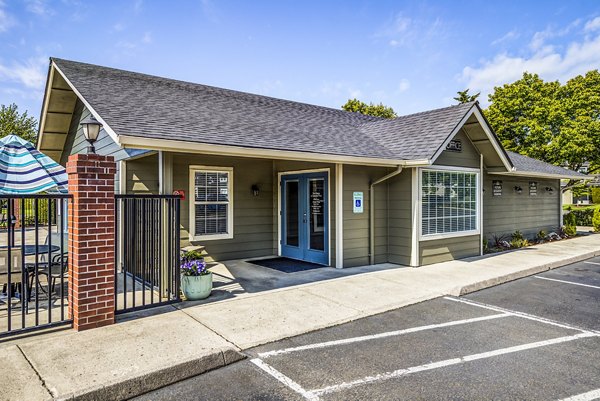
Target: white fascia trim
47,95
497,146
540,175
128,141
105,126
488,132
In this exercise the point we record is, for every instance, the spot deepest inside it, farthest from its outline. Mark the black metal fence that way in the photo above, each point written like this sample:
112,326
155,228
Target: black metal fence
33,262
146,251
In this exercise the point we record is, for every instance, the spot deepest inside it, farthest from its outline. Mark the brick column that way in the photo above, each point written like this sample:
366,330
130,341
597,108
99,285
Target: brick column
91,240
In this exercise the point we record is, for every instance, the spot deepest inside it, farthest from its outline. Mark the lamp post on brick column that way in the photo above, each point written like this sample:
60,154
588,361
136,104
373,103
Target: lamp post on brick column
91,240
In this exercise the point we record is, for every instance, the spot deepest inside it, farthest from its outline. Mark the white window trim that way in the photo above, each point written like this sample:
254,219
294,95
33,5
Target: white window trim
192,203
431,237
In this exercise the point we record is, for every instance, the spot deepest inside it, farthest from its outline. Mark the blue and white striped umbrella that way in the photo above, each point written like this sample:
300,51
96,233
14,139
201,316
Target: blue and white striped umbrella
25,170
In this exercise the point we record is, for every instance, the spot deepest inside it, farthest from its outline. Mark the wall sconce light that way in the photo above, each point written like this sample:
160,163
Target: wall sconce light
255,190
549,190
518,189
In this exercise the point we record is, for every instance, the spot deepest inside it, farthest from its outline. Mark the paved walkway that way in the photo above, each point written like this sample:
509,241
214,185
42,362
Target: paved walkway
139,355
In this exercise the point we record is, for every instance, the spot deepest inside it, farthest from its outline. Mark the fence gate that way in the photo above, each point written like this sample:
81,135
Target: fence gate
146,251
33,262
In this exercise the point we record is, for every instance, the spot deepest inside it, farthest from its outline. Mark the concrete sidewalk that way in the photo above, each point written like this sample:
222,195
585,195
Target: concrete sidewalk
174,343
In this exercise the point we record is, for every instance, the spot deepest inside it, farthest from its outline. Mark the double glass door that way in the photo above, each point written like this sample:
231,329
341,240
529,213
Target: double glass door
305,217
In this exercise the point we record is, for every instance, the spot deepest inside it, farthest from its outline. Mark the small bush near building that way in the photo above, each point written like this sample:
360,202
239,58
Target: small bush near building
570,224
596,220
518,241
596,195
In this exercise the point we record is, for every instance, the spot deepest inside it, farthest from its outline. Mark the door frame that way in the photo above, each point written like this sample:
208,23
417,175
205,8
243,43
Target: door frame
280,174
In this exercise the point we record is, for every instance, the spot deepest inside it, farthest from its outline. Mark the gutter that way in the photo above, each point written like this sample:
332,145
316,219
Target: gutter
372,211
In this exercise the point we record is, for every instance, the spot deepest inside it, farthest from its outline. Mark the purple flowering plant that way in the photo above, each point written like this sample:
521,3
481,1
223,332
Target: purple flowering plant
193,264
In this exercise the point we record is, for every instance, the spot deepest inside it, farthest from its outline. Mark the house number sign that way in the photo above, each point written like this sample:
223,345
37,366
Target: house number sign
532,188
497,188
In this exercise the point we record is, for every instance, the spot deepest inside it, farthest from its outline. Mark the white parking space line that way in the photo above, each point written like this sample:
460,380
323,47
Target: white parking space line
445,363
379,335
592,263
285,380
589,396
568,282
519,314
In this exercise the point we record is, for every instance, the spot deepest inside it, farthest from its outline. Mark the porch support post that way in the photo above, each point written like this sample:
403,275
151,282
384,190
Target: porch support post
92,240
481,234
339,216
165,172
415,207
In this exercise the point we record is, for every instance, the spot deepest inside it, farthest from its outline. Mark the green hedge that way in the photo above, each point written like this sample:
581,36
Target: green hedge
596,195
582,217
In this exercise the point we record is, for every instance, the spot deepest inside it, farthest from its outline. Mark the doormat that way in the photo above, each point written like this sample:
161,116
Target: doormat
286,265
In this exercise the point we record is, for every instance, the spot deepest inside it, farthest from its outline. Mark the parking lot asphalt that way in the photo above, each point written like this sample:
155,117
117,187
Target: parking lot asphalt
536,338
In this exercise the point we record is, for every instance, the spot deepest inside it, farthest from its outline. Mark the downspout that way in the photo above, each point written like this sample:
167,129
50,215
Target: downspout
372,211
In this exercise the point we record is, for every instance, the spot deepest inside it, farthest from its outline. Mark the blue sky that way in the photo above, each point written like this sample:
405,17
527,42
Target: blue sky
411,55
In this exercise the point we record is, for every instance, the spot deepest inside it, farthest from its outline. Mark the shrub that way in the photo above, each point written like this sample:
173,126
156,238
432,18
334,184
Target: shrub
518,240
569,219
583,217
596,194
541,235
596,219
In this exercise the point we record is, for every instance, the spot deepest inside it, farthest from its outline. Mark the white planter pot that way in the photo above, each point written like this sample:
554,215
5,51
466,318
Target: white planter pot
196,287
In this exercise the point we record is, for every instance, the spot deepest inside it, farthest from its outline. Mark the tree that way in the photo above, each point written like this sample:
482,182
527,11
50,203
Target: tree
13,122
559,124
464,97
376,110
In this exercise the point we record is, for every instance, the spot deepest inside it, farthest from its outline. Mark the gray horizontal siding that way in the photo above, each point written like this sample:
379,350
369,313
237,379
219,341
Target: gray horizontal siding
253,217
512,211
356,225
142,175
442,250
400,218
468,157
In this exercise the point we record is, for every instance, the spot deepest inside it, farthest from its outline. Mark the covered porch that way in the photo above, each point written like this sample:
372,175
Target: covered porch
239,208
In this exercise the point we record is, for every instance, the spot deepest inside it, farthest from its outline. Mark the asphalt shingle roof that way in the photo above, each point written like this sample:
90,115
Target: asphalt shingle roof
153,107
526,164
147,106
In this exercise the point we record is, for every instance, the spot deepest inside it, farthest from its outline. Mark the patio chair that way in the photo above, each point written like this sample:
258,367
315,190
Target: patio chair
59,267
16,267
56,241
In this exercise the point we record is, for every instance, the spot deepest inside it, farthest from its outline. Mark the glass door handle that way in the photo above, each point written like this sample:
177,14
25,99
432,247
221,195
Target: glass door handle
304,218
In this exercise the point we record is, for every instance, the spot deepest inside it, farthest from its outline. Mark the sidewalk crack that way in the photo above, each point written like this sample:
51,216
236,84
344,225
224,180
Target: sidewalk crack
36,372
209,328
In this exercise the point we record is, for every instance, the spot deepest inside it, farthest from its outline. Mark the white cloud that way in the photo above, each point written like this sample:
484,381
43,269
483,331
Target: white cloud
39,7
403,31
510,35
548,60
6,20
404,85
592,25
31,73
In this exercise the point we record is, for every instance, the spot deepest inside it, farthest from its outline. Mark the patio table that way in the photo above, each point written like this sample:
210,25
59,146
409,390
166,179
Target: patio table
30,249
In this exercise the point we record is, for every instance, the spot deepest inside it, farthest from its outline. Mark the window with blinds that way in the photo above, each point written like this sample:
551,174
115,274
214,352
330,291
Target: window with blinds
212,212
449,202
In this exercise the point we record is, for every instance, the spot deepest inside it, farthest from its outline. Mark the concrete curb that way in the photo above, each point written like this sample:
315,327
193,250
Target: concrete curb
149,381
520,274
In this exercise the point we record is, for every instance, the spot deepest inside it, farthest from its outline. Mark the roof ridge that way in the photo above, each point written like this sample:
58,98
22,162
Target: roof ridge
363,117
